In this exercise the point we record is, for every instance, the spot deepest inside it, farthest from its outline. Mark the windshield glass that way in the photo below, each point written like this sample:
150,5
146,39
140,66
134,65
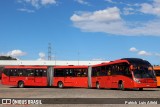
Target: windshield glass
143,71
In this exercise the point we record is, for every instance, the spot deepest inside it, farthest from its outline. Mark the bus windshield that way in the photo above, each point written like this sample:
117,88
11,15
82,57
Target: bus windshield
143,72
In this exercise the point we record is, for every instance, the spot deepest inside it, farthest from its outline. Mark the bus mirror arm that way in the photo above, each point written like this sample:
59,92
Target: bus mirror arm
131,67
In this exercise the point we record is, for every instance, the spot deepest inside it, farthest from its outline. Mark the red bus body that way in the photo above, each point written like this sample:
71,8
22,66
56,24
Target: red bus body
71,80
28,80
128,80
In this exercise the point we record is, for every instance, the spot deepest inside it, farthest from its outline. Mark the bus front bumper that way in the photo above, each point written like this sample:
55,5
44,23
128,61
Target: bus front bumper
145,85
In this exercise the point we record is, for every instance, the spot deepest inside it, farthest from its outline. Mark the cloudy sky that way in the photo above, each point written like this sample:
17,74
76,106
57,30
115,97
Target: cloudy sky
80,29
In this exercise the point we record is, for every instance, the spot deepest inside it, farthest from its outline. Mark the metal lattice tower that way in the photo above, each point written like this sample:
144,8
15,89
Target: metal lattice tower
49,51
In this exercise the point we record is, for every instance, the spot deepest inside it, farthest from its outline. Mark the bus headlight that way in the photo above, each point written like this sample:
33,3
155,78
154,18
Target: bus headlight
155,80
137,80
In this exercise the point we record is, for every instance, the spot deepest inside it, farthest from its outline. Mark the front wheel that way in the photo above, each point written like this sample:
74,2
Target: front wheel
20,84
97,85
121,86
60,85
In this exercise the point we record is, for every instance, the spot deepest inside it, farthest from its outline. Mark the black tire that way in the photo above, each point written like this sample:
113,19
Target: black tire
20,84
121,86
97,85
140,89
60,85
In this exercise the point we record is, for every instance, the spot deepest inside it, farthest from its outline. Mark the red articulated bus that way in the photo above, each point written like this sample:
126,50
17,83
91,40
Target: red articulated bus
121,74
24,76
124,73
59,76
70,76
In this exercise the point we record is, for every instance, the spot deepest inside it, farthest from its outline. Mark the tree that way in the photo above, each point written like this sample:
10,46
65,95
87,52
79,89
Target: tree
7,58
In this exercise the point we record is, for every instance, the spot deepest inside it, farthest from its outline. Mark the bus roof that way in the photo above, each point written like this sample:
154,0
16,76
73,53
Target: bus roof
127,60
25,67
70,66
136,61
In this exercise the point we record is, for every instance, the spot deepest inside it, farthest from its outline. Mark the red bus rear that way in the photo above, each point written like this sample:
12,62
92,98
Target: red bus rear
124,73
70,76
24,76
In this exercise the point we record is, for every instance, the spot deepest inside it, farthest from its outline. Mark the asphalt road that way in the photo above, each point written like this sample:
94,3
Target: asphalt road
45,92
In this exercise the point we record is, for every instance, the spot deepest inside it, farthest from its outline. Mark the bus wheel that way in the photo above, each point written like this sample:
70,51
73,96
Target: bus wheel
140,89
97,85
121,86
20,84
60,84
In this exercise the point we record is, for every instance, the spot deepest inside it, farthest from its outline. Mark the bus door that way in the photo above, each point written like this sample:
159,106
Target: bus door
30,77
68,79
114,77
108,77
5,75
94,76
38,76
80,78
114,81
13,75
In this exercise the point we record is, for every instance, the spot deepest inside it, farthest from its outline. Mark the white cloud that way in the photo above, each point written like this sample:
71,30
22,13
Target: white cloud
45,2
37,3
144,53
107,15
41,56
157,54
153,8
82,2
128,11
16,53
133,49
34,3
26,10
110,1
110,21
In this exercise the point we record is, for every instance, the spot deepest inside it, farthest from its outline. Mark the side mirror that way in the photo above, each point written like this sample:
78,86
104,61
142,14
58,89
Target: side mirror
131,67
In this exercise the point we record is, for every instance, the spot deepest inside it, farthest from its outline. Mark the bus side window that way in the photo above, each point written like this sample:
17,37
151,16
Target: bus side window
108,70
59,73
6,72
13,72
127,71
98,71
93,72
113,70
24,72
68,72
20,72
71,72
30,72
81,72
103,71
38,72
78,72
44,73
85,73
